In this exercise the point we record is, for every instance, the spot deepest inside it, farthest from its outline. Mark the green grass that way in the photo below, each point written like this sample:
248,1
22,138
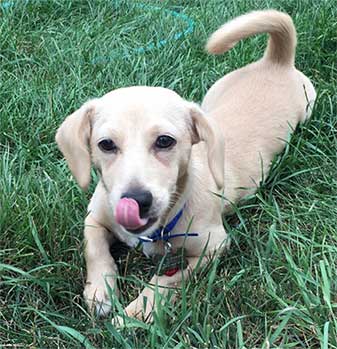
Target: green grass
275,287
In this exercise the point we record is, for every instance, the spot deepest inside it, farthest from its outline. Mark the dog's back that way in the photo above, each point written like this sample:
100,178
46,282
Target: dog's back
257,106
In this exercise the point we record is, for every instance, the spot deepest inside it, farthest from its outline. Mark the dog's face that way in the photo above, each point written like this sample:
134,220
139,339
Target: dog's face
140,141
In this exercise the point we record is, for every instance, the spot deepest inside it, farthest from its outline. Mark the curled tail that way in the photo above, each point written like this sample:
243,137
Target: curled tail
280,27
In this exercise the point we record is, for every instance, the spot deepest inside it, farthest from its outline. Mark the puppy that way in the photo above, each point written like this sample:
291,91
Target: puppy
162,159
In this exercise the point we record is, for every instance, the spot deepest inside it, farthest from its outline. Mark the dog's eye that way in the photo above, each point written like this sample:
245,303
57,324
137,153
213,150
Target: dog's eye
164,142
108,146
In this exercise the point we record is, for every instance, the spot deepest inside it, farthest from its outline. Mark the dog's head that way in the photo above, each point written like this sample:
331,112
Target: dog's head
140,140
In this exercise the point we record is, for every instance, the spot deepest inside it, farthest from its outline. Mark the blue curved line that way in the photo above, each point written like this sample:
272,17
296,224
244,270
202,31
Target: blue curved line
5,5
151,46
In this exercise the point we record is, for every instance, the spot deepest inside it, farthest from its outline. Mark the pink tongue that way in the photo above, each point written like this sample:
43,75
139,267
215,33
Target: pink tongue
127,214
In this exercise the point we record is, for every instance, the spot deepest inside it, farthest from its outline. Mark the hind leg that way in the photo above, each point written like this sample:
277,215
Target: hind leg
310,96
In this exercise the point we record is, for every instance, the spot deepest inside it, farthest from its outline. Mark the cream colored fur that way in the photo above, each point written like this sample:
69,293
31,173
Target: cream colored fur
253,109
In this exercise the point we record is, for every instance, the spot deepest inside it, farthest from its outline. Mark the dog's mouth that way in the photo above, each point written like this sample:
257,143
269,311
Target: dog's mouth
127,214
149,224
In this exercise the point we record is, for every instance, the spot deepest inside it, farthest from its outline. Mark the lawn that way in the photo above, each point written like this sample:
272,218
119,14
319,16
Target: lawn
275,287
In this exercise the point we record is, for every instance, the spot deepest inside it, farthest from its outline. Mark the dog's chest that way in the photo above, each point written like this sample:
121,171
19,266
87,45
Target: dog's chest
151,249
128,240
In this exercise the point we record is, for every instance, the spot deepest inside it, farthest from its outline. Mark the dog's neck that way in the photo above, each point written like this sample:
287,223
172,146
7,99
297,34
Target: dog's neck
180,196
191,189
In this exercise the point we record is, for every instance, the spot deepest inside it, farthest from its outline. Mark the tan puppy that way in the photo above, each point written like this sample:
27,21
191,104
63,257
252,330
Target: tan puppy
158,154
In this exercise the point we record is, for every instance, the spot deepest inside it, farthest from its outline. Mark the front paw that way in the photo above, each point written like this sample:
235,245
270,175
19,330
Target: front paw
149,300
97,296
141,308
134,310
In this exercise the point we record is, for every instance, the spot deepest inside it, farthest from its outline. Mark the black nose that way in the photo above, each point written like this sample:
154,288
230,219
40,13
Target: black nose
144,199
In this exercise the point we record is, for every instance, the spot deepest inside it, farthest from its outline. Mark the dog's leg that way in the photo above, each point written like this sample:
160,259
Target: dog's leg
142,307
101,267
160,285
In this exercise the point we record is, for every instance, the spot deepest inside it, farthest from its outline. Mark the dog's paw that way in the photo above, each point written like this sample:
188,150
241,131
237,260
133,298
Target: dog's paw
97,298
140,309
119,321
132,312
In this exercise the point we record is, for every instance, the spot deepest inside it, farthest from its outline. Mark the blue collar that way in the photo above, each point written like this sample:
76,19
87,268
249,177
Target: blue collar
164,232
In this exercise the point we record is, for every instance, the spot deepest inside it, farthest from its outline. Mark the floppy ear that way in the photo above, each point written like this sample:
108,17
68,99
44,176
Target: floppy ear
204,130
73,138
